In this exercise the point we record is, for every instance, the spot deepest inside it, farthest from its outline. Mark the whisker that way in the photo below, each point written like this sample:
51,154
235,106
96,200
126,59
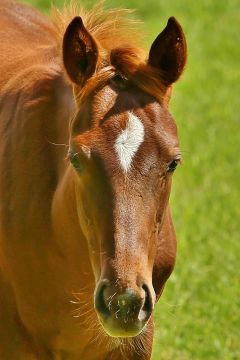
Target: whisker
57,144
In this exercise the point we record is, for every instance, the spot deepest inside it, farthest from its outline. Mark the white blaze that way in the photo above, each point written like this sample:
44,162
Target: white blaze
128,142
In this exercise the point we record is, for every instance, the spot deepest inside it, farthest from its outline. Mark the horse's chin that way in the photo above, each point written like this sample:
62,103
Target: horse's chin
116,329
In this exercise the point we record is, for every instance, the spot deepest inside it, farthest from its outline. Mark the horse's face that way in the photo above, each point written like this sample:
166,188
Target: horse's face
124,148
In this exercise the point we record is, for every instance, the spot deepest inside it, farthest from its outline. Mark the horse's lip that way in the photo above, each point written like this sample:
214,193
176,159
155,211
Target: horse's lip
117,327
120,329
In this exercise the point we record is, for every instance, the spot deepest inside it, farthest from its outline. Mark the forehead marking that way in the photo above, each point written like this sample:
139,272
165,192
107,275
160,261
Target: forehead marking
128,141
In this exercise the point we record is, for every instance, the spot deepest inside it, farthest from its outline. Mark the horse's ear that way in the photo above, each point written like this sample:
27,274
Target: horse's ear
168,52
80,52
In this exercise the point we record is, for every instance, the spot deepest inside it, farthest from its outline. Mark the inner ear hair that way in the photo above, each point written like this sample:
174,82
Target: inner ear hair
80,52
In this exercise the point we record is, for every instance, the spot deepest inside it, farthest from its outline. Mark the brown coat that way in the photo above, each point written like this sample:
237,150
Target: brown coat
73,237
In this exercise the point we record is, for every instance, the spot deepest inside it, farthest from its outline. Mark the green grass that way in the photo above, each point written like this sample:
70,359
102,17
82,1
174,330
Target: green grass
198,316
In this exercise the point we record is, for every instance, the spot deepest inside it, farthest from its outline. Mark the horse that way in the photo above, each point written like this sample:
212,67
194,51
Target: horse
87,152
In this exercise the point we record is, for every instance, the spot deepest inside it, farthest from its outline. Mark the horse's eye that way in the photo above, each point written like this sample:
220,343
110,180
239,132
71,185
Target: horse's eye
75,162
119,81
173,165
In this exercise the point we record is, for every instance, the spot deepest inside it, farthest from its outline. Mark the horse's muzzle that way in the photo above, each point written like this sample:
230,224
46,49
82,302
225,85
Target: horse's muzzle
123,313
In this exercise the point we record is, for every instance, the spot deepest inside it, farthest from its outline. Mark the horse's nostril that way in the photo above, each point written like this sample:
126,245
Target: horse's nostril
147,307
99,300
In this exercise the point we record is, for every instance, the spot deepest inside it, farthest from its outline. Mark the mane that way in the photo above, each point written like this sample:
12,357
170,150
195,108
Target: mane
120,40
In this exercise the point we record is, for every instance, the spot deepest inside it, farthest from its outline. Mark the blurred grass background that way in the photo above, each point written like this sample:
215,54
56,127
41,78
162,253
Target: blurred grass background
198,316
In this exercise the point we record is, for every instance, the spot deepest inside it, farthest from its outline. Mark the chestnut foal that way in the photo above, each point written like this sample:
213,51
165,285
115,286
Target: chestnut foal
86,245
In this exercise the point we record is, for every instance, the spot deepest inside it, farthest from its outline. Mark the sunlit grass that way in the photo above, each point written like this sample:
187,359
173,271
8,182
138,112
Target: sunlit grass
198,316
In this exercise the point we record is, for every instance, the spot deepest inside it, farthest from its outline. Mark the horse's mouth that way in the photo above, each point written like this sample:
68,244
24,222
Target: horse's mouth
123,314
122,328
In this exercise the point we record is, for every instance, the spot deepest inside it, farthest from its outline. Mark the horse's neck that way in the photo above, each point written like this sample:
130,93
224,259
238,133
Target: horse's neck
43,254
46,267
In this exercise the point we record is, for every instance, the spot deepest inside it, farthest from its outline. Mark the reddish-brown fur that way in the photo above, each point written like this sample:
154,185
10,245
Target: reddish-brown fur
77,239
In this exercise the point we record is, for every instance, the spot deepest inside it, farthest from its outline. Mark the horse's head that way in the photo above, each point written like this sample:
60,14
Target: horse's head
124,148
